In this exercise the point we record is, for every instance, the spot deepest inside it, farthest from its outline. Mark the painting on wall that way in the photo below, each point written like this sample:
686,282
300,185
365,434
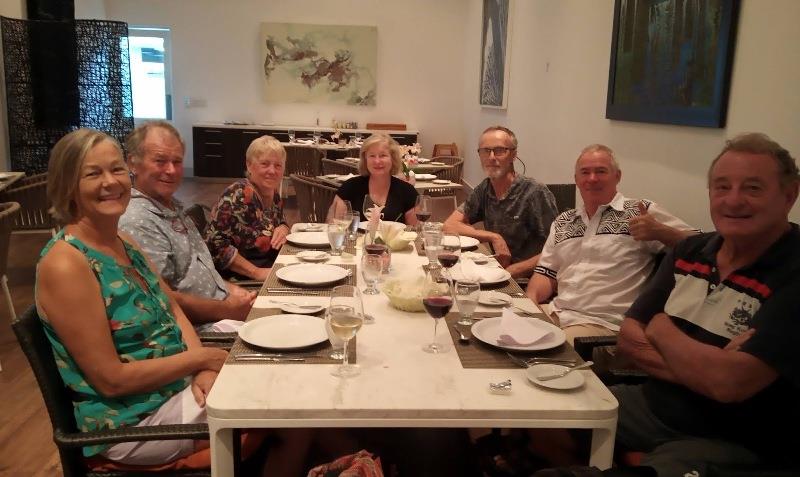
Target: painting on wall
320,63
495,53
671,61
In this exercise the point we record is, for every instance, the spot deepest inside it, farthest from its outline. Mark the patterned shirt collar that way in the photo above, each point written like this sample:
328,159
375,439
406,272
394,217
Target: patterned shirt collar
156,207
617,203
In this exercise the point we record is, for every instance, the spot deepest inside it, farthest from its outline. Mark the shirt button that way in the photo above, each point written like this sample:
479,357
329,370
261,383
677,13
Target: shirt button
713,269
712,286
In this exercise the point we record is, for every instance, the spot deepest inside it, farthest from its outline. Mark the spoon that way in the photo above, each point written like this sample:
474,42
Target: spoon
561,374
461,334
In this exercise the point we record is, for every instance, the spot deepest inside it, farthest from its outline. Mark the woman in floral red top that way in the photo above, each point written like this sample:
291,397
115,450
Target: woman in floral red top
247,226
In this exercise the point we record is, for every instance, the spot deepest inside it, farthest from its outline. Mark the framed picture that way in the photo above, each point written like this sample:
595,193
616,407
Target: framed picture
671,61
495,53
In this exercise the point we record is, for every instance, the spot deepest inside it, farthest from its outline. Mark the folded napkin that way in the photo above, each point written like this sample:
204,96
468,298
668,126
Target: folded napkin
346,177
374,219
479,273
517,331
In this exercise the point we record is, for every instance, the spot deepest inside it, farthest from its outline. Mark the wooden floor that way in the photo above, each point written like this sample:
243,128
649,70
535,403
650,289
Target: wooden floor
26,446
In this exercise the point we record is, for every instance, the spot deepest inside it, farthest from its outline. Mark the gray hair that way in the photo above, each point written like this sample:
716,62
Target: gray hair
600,148
505,130
133,143
264,145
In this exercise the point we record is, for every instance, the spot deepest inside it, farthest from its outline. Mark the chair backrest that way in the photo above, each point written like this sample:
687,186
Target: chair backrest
34,207
304,160
330,166
8,210
313,198
387,126
199,214
454,173
565,196
57,399
445,150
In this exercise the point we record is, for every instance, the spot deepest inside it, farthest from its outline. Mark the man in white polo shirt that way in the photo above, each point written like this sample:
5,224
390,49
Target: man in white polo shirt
598,255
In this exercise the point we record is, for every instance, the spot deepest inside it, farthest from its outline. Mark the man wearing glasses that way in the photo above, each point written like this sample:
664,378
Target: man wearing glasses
516,211
156,220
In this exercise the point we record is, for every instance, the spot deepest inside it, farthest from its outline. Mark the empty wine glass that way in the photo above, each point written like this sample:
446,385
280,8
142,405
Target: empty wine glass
437,301
371,267
344,318
316,135
466,293
423,209
291,135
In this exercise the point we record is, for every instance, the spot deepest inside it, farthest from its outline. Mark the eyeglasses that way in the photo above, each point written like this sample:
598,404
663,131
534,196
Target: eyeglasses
498,151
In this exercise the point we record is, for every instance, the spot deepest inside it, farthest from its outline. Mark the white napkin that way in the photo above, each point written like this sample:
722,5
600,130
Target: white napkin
517,331
479,273
305,141
390,230
374,219
345,178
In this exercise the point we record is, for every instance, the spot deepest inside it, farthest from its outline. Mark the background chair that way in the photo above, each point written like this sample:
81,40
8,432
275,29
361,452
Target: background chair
8,210
31,195
565,196
304,160
455,173
313,198
445,150
58,401
199,213
338,167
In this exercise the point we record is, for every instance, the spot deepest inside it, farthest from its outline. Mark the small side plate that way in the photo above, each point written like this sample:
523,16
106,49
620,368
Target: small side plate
572,380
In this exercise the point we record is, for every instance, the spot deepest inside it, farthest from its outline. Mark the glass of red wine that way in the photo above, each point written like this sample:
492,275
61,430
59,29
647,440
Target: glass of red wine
423,210
437,301
450,252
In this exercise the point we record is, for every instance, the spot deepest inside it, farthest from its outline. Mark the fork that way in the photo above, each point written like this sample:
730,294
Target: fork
306,307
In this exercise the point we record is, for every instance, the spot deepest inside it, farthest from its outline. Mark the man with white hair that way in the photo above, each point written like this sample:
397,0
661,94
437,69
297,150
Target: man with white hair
598,255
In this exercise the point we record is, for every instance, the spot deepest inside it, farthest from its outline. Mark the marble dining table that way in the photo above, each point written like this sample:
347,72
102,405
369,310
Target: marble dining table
399,385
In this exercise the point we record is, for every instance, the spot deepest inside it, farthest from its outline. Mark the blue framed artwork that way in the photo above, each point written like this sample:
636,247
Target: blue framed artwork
671,61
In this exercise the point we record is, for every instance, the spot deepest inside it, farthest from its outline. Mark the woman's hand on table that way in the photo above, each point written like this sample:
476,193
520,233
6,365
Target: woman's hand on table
208,358
279,236
201,385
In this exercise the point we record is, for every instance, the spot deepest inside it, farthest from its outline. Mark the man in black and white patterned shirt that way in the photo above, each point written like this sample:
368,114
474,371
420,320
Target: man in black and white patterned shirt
598,255
516,211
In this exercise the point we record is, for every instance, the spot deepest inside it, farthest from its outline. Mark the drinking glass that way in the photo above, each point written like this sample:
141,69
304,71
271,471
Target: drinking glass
336,233
466,293
316,135
437,301
423,209
358,137
450,252
291,135
433,245
371,267
351,229
344,318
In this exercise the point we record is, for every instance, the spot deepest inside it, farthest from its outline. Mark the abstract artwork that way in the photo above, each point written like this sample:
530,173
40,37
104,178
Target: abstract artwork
320,63
495,43
671,61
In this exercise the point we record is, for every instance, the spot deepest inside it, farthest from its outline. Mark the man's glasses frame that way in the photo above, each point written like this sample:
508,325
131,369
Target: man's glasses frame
498,151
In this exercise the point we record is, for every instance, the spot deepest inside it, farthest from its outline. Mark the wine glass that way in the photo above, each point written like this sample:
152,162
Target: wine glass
423,209
344,317
451,250
437,301
316,135
466,293
291,135
336,234
371,267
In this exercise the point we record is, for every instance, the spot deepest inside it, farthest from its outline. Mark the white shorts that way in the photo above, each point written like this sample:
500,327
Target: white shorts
179,409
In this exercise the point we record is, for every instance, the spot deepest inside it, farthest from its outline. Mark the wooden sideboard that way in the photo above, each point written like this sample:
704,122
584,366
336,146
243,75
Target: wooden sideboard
219,149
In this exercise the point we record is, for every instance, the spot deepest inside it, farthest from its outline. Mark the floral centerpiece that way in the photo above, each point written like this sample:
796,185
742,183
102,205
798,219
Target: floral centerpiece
410,155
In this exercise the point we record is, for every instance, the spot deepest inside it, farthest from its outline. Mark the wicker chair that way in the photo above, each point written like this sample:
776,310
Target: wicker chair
445,150
8,210
338,167
564,194
455,173
58,400
313,198
33,202
303,160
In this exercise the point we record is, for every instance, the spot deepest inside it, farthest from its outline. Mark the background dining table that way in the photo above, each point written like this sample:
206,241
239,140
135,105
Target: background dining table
399,384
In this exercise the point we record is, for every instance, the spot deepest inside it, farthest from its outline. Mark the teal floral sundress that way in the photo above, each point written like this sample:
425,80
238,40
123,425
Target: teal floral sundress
142,327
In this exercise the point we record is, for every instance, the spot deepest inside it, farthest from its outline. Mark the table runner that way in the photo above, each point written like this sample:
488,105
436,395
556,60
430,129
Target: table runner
477,354
482,247
272,282
316,354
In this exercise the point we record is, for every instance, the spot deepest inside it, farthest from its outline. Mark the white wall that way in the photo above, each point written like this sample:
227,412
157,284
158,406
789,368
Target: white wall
90,9
559,76
216,57
11,9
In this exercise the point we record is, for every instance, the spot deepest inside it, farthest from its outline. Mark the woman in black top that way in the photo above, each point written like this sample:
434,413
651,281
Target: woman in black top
380,161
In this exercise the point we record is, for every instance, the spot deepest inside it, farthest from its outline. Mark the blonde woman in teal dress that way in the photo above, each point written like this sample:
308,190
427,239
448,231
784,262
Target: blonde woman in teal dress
122,345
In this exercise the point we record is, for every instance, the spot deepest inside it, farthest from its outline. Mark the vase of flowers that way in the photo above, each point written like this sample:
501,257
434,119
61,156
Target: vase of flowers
410,155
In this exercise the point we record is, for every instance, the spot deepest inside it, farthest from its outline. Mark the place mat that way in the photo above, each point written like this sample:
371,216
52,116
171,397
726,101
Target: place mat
288,289
291,249
483,247
509,286
479,355
317,354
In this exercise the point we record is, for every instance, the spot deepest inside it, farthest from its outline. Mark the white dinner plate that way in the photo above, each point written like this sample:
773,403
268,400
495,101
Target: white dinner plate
313,255
307,274
300,308
309,239
488,331
494,298
468,242
441,181
497,277
573,380
425,177
284,331
310,227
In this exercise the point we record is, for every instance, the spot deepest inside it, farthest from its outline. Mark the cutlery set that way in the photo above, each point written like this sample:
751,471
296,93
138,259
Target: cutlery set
269,357
526,363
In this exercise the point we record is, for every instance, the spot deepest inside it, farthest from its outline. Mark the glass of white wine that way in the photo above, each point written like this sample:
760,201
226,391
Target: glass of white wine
344,318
